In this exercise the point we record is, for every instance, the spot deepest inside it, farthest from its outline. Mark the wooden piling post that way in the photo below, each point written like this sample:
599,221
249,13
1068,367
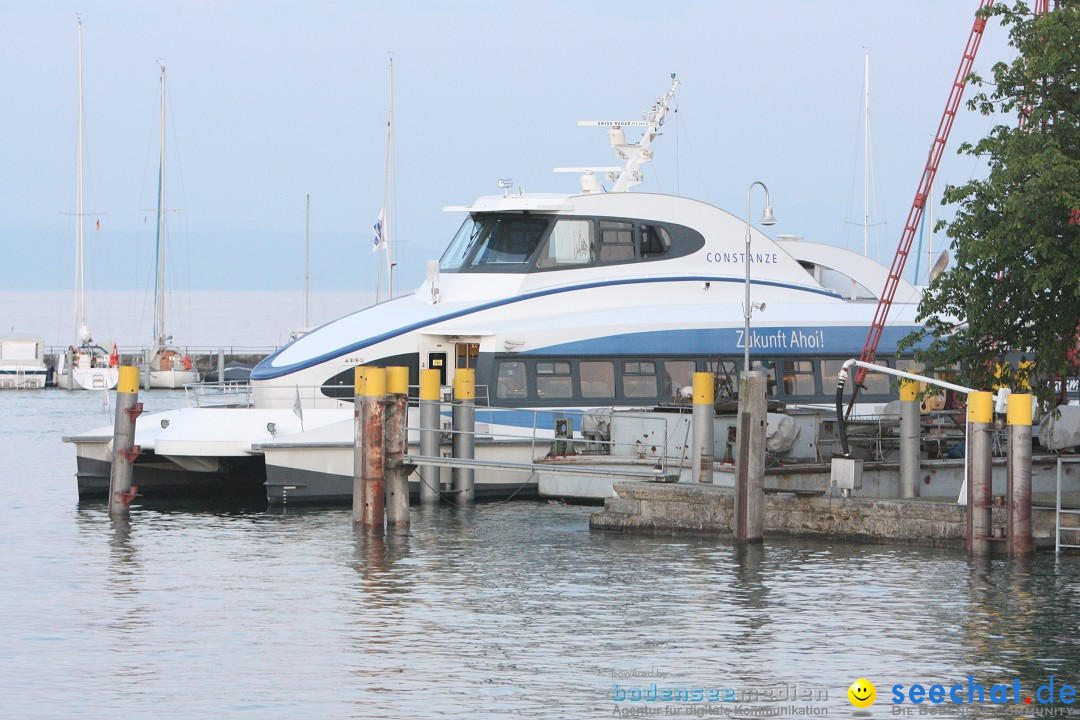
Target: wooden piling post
750,465
909,439
221,366
430,432
369,483
464,425
702,450
979,483
128,408
1019,505
395,443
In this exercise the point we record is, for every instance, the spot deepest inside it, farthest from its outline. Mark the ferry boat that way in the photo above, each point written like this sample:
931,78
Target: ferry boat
601,298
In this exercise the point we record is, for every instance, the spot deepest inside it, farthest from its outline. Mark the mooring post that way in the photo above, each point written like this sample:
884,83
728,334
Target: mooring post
128,408
1019,506
370,503
221,366
702,450
359,376
979,482
464,425
430,432
909,439
395,443
750,465
69,368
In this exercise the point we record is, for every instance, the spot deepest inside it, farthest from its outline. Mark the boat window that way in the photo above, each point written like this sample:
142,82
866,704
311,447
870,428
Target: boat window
616,241
798,377
639,379
510,242
597,379
677,375
464,241
874,383
511,381
500,243
655,240
553,380
570,243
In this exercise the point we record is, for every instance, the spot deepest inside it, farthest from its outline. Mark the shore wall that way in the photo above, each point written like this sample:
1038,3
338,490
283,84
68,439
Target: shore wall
684,509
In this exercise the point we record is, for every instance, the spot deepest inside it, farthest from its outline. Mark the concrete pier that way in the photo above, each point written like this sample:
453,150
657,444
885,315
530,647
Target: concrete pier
128,408
685,509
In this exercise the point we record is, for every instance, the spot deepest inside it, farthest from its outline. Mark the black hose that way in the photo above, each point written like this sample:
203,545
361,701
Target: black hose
840,380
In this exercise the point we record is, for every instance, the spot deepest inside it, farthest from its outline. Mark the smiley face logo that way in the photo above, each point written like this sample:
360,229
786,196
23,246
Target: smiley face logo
862,693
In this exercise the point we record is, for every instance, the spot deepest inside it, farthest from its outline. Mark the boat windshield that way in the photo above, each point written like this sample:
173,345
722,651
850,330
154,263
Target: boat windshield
501,243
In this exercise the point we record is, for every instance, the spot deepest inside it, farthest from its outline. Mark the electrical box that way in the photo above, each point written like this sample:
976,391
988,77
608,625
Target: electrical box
847,473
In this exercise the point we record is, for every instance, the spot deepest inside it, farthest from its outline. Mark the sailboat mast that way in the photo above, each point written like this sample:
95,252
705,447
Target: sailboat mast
866,154
159,291
388,192
80,298
307,264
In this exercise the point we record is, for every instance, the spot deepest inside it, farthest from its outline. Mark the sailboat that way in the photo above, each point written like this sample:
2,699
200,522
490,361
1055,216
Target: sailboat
86,366
166,366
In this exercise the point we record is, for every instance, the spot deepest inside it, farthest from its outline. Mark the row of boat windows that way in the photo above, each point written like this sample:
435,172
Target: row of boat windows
513,242
662,380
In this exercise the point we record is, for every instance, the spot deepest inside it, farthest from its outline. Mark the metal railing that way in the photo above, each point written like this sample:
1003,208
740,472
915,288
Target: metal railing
1064,511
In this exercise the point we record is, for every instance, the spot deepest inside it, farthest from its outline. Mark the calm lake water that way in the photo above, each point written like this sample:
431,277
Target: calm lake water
501,610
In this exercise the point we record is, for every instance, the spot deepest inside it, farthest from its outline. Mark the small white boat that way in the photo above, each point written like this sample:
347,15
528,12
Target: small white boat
22,362
166,366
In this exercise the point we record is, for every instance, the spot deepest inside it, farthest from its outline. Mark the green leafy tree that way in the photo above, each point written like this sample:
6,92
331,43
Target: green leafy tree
1014,289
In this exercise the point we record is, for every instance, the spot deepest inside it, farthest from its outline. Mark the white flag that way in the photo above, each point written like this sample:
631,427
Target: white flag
298,408
380,241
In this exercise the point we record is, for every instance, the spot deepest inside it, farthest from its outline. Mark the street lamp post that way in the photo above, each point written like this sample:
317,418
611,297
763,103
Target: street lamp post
766,219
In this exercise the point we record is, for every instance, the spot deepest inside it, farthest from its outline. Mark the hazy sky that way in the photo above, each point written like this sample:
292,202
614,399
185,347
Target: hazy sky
269,101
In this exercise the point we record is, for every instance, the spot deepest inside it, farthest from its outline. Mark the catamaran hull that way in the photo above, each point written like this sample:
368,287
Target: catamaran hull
318,473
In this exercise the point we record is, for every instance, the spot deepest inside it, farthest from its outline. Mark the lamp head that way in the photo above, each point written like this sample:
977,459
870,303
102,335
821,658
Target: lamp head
767,217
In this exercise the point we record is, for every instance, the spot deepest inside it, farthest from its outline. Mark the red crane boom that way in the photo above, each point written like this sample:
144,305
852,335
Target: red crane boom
915,214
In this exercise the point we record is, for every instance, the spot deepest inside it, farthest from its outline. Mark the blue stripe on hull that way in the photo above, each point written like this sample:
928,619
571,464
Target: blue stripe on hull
265,370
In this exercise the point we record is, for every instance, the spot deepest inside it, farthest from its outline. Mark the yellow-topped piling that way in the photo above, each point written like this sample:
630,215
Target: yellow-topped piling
463,422
464,384
430,433
129,379
1018,529
980,406
359,376
1020,405
374,382
397,380
703,420
430,387
704,391
909,390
